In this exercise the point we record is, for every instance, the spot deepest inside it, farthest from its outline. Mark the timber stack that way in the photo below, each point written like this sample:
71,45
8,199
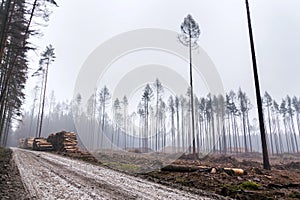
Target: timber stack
64,141
41,144
26,143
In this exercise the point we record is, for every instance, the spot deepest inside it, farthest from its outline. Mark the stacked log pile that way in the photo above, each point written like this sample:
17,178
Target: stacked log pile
41,144
28,144
64,141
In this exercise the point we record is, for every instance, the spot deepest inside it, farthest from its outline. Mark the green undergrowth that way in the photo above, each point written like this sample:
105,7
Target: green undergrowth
249,185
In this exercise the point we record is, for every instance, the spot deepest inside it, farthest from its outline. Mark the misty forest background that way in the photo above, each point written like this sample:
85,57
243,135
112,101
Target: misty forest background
223,124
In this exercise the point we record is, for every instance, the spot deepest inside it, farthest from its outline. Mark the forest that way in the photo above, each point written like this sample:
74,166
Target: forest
224,124
19,20
153,144
214,123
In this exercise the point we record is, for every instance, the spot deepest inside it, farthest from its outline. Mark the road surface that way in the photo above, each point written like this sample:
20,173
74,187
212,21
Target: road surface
50,176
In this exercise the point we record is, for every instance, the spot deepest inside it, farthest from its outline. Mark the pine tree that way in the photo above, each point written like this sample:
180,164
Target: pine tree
190,34
146,98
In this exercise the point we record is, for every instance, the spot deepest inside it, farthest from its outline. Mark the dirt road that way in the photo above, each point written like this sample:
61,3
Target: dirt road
49,176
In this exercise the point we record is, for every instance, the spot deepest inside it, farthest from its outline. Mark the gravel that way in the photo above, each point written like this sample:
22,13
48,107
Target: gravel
50,176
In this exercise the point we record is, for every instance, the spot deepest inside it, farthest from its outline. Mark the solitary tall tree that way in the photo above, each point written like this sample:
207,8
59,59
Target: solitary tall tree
266,162
189,37
48,57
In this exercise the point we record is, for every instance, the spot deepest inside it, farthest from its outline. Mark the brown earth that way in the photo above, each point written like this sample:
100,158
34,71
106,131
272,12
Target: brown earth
11,186
50,176
281,182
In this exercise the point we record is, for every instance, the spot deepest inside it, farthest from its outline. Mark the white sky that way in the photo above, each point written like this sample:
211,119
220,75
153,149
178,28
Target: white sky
76,28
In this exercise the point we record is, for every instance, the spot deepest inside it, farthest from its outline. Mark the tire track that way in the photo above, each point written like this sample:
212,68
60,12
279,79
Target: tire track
50,176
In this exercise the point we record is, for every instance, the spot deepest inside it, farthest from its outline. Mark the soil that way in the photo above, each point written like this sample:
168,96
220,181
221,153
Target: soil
11,186
281,182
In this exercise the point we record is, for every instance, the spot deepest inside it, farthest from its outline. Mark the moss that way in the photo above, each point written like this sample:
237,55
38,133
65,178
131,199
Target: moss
249,185
229,190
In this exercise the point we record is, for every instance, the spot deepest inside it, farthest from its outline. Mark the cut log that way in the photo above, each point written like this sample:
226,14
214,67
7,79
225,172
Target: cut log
185,168
64,141
41,144
234,171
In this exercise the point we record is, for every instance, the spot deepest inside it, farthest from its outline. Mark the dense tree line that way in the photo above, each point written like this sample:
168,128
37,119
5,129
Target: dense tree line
283,124
58,116
222,123
162,122
16,26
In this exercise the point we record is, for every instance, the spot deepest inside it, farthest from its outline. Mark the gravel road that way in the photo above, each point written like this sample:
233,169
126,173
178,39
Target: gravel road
50,176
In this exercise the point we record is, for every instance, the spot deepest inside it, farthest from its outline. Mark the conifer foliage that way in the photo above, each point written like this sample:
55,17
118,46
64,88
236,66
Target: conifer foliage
16,26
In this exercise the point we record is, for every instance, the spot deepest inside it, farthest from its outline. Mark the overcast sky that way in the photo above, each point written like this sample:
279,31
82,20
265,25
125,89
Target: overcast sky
76,28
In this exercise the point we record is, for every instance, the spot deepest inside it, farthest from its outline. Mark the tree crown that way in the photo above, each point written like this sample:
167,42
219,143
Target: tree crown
190,27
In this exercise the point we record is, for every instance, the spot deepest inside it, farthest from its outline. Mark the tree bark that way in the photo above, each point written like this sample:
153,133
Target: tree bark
266,162
44,97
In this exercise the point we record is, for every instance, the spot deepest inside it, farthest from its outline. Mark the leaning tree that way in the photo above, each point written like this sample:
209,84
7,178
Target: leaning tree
266,161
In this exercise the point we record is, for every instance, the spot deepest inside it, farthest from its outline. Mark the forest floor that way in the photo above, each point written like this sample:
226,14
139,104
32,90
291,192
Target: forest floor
281,182
11,186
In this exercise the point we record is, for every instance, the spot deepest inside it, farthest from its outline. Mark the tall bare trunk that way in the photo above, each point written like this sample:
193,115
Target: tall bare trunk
44,97
266,162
